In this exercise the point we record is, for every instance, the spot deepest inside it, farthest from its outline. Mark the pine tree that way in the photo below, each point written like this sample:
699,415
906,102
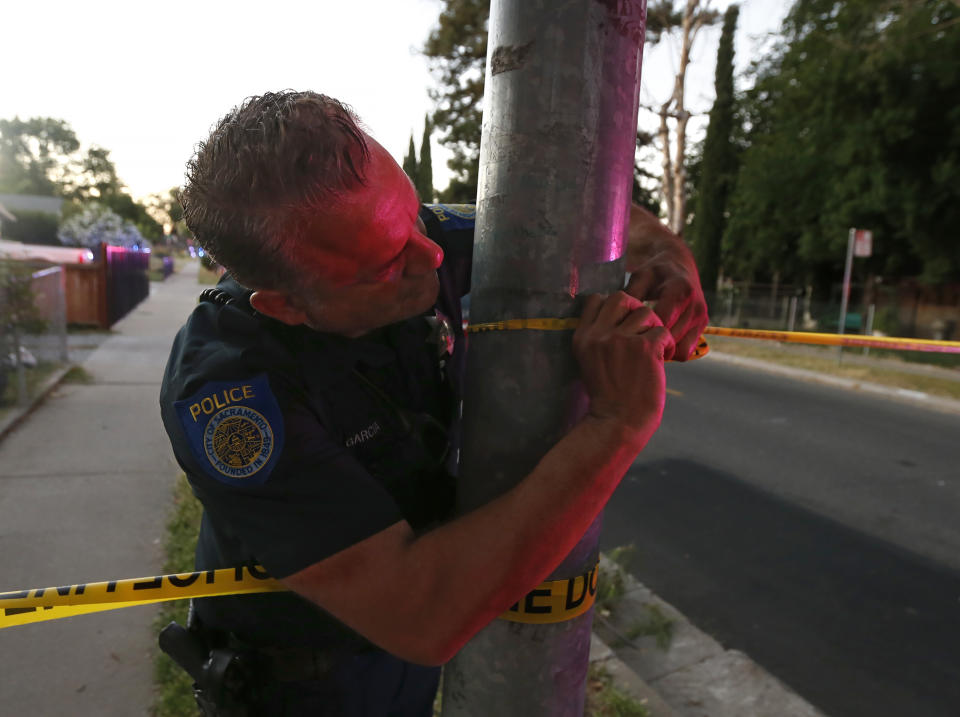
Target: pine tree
424,178
719,161
457,50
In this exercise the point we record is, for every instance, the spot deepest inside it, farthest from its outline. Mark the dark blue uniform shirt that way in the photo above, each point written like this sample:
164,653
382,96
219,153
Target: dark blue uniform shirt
300,444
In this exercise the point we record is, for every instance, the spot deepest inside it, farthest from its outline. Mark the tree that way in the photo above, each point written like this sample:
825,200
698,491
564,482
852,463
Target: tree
848,126
36,155
98,224
719,163
421,171
133,212
410,162
457,52
96,176
664,18
645,183
424,178
95,179
42,156
164,208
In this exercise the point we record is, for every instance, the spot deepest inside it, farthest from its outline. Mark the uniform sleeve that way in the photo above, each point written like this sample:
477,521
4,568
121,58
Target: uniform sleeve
269,474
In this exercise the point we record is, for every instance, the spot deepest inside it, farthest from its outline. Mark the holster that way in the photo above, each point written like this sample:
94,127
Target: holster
224,678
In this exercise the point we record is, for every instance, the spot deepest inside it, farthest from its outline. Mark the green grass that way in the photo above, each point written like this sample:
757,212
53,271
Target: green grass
611,586
825,361
923,357
610,582
77,374
656,625
605,700
174,686
205,276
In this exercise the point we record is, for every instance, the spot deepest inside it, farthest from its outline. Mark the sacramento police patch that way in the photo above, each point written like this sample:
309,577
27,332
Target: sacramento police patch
235,429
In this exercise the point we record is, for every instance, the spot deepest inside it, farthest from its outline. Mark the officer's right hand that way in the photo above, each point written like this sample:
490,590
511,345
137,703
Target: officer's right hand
620,345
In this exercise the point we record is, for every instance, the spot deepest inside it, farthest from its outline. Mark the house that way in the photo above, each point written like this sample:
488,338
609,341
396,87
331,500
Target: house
32,203
36,217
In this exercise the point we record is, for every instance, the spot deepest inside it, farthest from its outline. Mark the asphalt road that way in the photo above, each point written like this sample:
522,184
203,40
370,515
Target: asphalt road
814,528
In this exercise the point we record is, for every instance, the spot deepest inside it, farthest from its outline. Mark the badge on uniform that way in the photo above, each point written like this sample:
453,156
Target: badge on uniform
235,429
441,333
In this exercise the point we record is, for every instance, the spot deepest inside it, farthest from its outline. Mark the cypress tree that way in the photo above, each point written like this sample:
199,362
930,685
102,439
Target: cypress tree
424,180
410,162
719,162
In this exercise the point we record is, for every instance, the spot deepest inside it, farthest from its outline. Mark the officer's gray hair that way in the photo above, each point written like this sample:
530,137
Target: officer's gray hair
253,186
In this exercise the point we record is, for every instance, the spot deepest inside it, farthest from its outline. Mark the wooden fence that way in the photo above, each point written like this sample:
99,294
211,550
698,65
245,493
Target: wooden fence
102,293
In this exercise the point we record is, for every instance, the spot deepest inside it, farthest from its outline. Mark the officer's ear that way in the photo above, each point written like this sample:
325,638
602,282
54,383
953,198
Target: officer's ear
277,305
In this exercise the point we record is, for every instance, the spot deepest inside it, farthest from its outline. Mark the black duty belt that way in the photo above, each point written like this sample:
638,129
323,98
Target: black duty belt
299,664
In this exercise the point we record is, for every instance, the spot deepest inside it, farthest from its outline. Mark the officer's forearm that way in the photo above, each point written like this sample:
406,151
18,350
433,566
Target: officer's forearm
497,553
423,597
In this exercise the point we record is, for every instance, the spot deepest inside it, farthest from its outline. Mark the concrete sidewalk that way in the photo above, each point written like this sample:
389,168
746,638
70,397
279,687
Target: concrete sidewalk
85,488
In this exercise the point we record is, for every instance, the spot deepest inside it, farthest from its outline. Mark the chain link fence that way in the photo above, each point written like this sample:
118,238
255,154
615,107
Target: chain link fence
901,310
33,330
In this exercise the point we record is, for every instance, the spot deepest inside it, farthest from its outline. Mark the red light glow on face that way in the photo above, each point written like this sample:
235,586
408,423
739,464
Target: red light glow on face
373,233
369,261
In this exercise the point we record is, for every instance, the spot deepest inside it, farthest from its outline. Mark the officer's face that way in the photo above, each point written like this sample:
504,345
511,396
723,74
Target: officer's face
371,263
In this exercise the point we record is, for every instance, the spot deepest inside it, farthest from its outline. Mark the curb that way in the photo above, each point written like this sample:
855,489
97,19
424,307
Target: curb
19,414
694,676
626,680
948,405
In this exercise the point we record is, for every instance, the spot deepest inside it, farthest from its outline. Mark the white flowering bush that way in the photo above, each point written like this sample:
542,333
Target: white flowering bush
96,224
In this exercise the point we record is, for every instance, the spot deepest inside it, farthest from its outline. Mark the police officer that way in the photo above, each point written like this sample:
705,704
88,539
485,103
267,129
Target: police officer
309,399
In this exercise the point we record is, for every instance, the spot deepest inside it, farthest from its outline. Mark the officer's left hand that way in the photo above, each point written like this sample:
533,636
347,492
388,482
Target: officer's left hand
663,271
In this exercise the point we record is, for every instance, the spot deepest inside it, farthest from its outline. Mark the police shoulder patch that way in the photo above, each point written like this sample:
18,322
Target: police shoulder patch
235,429
455,216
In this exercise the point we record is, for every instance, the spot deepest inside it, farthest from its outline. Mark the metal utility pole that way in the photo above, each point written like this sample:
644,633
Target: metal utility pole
845,292
556,168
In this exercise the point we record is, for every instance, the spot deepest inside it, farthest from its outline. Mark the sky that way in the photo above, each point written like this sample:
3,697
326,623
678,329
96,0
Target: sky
147,81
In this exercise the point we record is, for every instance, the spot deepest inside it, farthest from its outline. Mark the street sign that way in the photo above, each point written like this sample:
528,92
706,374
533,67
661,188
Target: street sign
862,243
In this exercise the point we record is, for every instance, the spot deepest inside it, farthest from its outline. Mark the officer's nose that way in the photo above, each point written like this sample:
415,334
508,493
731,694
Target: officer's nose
424,255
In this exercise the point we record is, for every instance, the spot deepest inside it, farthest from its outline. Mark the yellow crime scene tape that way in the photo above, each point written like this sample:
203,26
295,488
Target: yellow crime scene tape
556,600
794,337
549,602
553,325
847,340
37,605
